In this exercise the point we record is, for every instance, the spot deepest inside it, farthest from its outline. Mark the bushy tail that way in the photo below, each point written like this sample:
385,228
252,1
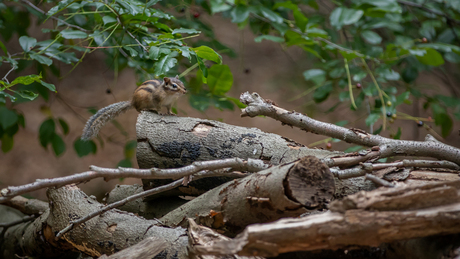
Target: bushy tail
98,120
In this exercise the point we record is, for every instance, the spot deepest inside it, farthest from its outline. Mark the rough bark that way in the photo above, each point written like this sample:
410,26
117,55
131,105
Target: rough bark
288,190
170,141
146,249
108,233
364,219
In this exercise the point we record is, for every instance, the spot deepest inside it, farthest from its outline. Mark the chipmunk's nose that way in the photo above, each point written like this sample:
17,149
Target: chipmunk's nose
185,90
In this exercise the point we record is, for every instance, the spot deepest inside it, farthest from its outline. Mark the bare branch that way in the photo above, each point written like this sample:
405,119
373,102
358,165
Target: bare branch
386,147
365,168
378,181
154,173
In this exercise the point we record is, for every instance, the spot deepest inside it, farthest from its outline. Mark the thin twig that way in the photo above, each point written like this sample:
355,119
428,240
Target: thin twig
52,17
378,181
365,168
251,165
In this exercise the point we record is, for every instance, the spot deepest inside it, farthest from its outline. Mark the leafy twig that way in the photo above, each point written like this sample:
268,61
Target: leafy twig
52,17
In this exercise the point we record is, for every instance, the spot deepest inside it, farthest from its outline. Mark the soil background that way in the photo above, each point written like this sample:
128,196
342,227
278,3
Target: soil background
275,73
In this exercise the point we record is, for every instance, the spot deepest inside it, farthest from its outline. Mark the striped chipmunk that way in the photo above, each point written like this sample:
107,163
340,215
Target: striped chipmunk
151,95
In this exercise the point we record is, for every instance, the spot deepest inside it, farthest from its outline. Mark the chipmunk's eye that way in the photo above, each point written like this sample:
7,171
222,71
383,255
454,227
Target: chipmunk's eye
174,86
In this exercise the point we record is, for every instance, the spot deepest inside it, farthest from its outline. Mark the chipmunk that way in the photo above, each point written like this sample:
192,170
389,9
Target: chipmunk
150,95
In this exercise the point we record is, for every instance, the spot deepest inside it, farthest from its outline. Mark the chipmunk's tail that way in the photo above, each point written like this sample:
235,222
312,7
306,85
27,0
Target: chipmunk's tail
104,115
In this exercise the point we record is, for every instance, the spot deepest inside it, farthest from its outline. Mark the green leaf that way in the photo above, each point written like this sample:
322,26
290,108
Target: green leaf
446,123
410,74
203,69
371,37
2,46
130,149
46,132
125,163
432,58
372,118
237,102
300,20
218,6
155,52
222,103
42,59
322,93
398,134
220,79
26,80
448,101
200,101
73,34
7,143
344,16
390,74
58,144
7,117
269,14
108,19
441,118
64,126
51,87
163,65
27,94
84,148
269,37
239,14
132,52
353,149
183,30
27,43
206,52
441,47
401,98
318,76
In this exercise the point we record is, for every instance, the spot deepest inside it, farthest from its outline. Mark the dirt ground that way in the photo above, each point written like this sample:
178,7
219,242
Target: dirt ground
264,67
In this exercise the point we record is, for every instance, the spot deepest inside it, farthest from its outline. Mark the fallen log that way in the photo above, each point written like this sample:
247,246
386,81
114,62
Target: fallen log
363,219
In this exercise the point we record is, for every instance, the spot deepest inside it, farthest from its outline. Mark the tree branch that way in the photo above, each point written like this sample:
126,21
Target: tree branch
154,173
386,147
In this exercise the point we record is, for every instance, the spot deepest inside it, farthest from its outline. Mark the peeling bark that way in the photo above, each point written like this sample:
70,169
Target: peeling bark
364,219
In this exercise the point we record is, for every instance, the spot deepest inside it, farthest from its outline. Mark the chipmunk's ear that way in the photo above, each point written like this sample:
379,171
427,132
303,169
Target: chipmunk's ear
167,80
177,76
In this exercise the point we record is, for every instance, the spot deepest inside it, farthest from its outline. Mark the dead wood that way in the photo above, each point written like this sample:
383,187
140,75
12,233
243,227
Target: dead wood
364,219
288,190
108,233
146,249
148,209
170,141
